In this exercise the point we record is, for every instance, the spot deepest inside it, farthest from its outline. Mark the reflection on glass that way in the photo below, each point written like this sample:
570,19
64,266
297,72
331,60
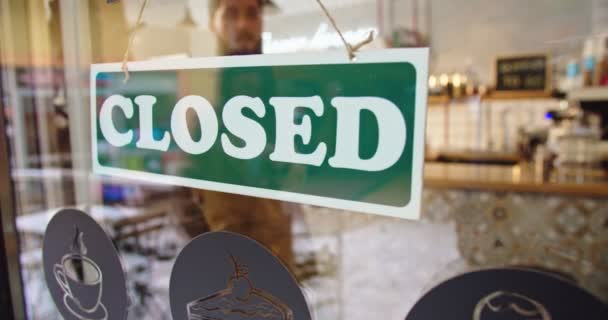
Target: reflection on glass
351,266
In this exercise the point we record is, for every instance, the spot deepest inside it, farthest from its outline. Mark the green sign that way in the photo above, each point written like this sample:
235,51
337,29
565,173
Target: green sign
309,128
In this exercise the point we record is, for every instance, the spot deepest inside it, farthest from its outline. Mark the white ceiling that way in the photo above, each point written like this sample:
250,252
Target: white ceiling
172,12
289,7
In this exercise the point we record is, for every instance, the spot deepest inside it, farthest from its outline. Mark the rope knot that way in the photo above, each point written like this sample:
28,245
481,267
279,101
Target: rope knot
351,49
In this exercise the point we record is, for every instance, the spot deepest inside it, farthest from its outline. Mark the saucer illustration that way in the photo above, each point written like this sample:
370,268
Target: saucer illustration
240,300
98,314
80,278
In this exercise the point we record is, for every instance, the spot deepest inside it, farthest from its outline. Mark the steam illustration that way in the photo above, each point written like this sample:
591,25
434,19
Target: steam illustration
78,246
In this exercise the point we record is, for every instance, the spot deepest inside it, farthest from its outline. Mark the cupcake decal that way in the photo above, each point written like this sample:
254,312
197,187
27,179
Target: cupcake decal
239,300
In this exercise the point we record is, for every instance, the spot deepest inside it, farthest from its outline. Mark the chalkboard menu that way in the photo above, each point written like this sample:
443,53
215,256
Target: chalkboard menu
522,73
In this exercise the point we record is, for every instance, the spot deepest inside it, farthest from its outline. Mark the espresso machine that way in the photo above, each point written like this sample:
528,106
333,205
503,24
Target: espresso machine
571,147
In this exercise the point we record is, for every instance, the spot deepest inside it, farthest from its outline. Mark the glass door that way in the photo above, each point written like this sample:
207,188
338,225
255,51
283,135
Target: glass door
491,198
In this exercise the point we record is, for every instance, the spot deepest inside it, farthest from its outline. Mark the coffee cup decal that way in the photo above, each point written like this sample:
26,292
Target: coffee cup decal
80,278
83,272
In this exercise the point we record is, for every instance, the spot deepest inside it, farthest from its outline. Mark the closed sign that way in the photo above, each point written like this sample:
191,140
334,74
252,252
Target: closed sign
315,128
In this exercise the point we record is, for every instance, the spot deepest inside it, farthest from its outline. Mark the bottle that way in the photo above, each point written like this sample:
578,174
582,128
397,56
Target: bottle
589,63
601,72
573,75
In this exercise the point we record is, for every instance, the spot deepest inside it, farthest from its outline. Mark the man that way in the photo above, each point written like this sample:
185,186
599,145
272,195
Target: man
238,26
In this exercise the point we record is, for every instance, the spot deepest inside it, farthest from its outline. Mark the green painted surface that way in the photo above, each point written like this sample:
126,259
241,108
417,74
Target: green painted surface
395,82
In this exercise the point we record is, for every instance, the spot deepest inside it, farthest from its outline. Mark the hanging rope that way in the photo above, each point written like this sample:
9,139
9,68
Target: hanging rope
351,49
125,58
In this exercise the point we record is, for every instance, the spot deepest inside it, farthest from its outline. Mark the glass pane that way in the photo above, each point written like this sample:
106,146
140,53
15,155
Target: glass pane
513,177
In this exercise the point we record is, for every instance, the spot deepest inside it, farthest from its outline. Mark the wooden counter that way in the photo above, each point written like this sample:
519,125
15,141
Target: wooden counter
503,216
510,178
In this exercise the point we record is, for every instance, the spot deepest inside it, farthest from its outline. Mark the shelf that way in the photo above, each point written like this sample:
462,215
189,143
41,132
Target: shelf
518,95
493,96
478,157
589,94
438,100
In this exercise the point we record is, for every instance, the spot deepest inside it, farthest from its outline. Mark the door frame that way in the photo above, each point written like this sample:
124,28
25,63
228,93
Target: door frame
11,285
12,299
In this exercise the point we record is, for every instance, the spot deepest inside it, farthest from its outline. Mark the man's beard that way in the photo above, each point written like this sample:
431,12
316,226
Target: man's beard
227,51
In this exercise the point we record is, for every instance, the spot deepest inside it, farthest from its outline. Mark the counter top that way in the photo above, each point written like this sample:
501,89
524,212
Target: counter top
517,178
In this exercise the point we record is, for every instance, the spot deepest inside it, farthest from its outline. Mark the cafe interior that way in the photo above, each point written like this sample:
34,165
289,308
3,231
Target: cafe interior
516,146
